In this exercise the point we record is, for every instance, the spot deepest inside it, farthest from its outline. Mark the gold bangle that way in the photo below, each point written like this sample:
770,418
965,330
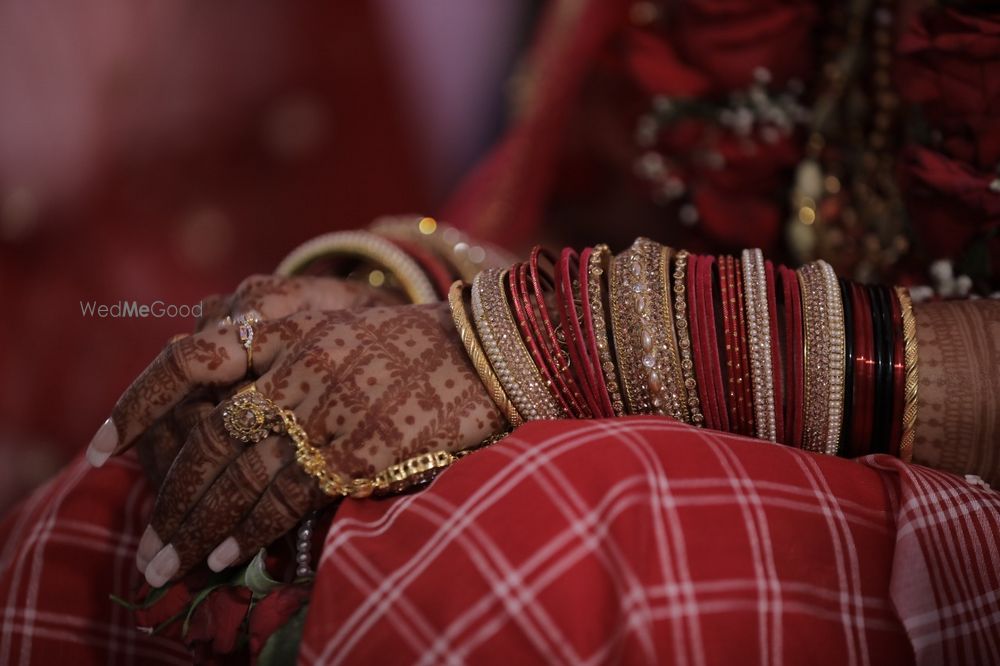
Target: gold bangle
598,268
759,335
674,394
368,246
823,328
478,357
506,350
684,337
645,342
624,276
911,360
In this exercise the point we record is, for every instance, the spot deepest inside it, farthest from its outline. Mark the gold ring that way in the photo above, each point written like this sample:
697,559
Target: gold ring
245,321
249,416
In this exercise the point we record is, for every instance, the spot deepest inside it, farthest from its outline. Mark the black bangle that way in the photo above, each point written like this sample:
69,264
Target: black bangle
846,447
876,444
882,413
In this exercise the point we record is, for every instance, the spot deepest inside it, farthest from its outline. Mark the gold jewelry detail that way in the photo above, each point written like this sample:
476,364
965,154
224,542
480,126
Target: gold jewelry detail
478,357
395,478
759,343
644,334
244,323
628,302
409,472
823,328
598,268
506,350
249,416
675,391
684,337
911,360
368,246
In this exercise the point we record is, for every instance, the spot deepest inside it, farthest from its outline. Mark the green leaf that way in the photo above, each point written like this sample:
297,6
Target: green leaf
256,577
195,602
166,623
282,647
155,595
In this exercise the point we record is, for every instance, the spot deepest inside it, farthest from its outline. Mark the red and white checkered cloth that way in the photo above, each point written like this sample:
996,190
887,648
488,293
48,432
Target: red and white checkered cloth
635,540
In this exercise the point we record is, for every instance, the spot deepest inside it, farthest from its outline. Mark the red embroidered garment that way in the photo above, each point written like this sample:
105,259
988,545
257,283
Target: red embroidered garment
638,540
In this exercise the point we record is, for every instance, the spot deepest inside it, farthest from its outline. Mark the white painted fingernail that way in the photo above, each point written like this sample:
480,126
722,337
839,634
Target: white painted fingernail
224,555
162,567
149,545
103,444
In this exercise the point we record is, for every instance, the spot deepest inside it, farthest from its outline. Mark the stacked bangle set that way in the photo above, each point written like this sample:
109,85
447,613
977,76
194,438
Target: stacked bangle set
734,344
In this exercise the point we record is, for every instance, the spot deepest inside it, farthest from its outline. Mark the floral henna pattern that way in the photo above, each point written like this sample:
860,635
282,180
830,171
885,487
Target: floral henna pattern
408,388
376,385
158,385
206,453
276,297
289,497
158,447
229,499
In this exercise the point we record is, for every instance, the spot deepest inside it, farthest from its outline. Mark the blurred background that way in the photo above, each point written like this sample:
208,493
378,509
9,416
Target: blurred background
165,150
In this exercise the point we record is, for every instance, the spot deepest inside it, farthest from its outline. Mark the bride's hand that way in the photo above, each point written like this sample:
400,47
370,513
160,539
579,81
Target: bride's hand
273,297
371,387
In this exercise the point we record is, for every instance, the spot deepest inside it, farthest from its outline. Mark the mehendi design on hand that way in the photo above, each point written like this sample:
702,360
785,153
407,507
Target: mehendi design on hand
372,388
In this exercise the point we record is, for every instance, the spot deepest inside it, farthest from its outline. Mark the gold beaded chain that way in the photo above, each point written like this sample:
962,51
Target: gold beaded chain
395,478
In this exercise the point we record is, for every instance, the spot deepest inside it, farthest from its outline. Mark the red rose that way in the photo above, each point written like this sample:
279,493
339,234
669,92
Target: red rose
950,202
273,611
950,64
175,600
217,620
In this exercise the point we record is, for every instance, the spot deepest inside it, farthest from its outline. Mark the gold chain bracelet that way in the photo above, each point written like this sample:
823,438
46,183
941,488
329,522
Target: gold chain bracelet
395,478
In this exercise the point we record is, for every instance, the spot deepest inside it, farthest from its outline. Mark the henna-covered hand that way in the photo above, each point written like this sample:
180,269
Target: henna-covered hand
371,387
274,297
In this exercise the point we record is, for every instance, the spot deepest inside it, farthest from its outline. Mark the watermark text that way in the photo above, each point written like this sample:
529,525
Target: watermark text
136,310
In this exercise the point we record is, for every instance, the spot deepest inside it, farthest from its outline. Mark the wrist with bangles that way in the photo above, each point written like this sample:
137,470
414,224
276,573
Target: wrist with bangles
795,357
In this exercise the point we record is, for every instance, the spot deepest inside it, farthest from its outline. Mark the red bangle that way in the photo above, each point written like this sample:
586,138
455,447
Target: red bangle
549,339
776,367
745,380
702,332
525,315
580,365
592,350
898,374
864,370
794,368
710,287
695,331
734,390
